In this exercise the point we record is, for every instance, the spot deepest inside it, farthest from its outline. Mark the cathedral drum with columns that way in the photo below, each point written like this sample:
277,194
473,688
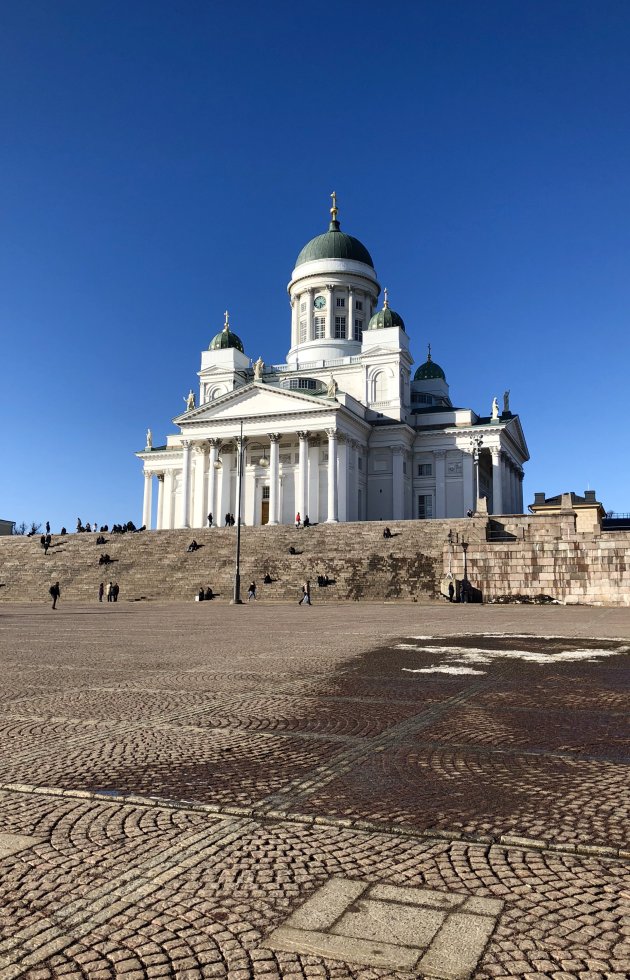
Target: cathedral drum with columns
342,431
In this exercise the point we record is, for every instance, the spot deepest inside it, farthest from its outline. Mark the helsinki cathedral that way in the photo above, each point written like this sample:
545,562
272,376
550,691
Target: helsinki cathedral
344,430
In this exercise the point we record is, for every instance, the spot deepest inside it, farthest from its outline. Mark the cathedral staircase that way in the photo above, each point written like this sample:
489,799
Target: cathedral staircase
155,565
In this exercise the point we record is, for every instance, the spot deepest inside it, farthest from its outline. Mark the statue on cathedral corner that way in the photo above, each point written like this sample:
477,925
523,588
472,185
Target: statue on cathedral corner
332,388
506,402
149,444
190,400
259,367
495,410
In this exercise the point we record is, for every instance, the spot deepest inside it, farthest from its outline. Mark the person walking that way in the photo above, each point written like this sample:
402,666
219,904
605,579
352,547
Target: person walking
55,592
108,592
306,594
115,591
101,592
47,527
251,591
209,520
298,519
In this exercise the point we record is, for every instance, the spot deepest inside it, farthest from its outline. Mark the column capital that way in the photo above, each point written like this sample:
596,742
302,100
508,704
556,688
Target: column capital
331,433
303,435
398,450
496,451
341,437
160,477
214,442
440,453
186,443
147,474
273,436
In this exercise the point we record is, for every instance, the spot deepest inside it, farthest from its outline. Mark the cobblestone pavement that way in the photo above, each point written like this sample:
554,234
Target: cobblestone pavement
176,780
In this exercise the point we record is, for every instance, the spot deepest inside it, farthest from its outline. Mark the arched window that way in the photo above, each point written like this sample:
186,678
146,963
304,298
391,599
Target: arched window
379,387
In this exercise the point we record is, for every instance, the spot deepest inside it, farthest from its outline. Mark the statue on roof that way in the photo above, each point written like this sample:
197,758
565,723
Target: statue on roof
190,400
149,444
259,367
332,388
506,402
495,410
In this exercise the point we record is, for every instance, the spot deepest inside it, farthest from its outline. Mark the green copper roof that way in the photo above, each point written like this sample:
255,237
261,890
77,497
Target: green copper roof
334,244
386,318
429,370
226,339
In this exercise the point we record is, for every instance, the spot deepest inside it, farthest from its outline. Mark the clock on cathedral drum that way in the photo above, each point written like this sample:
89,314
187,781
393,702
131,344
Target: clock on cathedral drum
319,303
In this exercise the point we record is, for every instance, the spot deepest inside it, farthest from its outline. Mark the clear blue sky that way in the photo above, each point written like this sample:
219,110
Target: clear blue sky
161,161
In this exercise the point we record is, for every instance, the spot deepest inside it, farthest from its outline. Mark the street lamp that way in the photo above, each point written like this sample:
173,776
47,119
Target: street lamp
236,600
463,590
476,442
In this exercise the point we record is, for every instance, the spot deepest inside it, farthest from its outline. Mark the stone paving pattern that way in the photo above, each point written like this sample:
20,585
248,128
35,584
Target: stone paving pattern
176,780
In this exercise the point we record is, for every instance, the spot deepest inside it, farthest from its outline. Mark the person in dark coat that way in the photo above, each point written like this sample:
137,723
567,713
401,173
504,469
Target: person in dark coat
101,592
55,592
115,591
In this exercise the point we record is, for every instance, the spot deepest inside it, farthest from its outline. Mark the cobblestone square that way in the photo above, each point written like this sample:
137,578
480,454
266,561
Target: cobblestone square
178,782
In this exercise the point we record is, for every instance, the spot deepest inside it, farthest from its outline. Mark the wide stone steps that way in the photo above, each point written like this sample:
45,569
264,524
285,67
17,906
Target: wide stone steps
156,564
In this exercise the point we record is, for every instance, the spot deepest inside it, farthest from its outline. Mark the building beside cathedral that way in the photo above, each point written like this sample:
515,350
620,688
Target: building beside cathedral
343,430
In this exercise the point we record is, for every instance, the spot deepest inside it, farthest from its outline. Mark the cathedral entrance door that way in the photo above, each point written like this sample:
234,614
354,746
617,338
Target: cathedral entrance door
264,516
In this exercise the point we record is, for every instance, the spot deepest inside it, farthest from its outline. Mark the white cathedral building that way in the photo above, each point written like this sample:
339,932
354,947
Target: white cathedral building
342,431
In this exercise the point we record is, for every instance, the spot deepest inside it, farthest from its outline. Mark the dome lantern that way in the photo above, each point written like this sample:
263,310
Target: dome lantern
429,371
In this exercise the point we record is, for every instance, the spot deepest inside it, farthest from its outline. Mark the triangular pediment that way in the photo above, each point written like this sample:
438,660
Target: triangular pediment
253,401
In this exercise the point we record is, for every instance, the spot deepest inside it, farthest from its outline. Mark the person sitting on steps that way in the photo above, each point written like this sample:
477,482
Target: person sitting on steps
387,533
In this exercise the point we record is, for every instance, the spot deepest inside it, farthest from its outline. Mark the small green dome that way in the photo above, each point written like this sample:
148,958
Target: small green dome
386,318
334,244
226,339
429,371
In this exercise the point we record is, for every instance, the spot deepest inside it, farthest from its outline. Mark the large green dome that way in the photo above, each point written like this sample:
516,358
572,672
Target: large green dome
226,339
386,318
429,371
334,244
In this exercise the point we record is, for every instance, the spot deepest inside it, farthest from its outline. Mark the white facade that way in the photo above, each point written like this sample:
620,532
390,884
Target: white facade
340,431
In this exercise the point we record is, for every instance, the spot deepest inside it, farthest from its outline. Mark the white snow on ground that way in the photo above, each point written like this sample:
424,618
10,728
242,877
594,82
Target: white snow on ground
457,659
443,670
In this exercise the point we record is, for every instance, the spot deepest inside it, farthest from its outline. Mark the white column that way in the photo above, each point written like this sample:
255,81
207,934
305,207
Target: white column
519,492
398,483
200,485
313,481
468,478
169,502
185,483
514,508
440,483
274,476
350,326
146,503
212,483
302,499
308,295
330,313
226,479
295,316
160,502
342,477
332,517
497,481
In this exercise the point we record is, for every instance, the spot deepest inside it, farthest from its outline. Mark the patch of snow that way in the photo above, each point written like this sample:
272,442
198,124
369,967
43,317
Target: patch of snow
443,669
459,655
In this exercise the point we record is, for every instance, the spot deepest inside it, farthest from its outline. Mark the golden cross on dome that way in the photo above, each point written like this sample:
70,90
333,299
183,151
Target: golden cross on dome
386,300
226,325
334,209
429,353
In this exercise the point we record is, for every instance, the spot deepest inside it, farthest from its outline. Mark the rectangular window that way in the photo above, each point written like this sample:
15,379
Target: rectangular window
302,307
302,331
341,301
358,306
265,491
425,507
319,327
360,462
358,329
340,327
425,469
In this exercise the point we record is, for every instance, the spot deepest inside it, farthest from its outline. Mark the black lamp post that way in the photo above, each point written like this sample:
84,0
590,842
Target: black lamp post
476,442
236,600
465,550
